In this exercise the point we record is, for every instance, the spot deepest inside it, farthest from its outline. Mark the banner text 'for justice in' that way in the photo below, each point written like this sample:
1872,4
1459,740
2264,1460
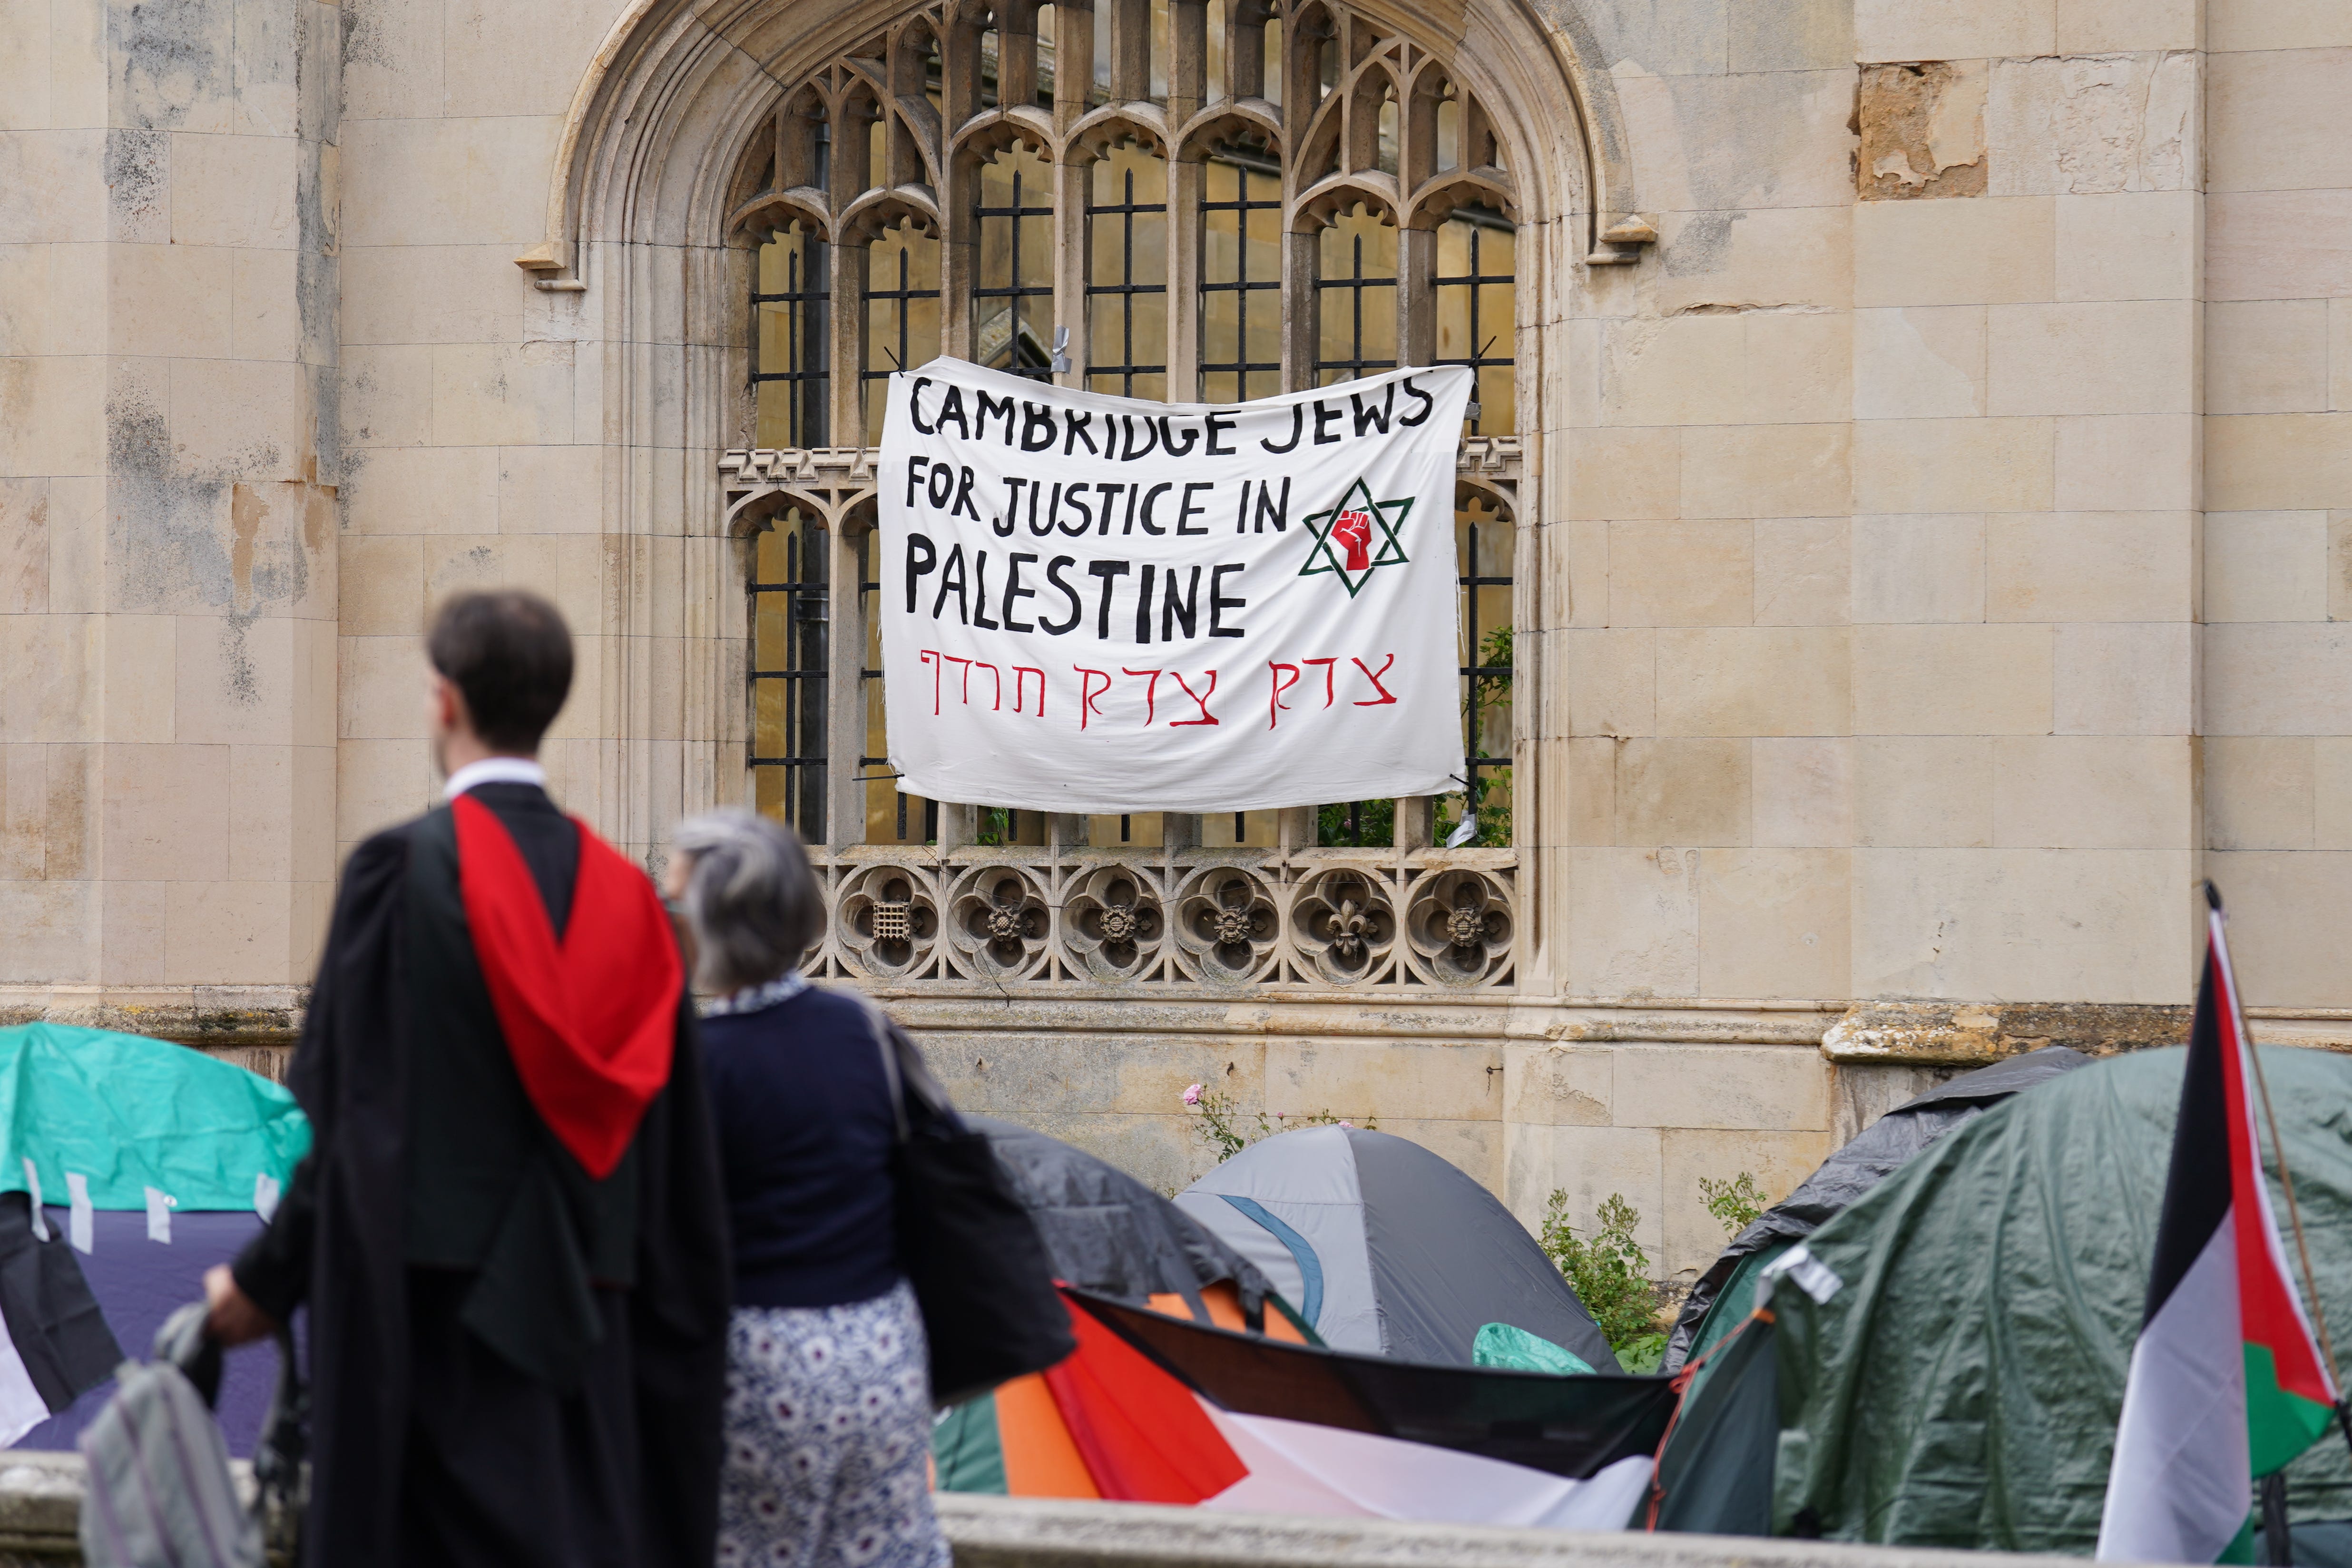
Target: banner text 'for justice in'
1095,604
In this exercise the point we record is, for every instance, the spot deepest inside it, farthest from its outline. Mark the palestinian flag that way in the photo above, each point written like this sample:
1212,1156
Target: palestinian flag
2226,1382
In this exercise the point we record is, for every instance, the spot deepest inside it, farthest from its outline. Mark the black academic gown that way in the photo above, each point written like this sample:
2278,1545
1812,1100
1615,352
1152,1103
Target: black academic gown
511,1363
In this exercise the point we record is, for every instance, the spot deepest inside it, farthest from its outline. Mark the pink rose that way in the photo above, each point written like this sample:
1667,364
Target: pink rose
1193,1095
1345,1124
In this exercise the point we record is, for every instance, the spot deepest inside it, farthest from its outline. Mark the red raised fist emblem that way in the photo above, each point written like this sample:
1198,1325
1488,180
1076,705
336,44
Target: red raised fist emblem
1354,529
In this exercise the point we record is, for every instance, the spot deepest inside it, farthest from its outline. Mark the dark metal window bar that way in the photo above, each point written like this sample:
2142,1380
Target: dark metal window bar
1479,358
902,297
1125,290
1240,286
806,297
870,768
1024,349
1475,757
804,589
1354,286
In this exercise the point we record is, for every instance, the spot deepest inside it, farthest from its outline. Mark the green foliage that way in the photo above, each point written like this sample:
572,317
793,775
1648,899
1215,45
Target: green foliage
1375,824
1490,795
1736,1204
1642,1354
1218,1120
1607,1268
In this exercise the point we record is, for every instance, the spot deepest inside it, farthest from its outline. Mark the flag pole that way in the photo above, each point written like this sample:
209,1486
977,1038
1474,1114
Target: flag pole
2286,1181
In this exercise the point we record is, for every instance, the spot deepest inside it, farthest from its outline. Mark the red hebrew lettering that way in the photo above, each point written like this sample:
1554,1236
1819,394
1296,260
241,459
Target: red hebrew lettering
983,664
1151,692
1274,703
1354,531
1087,695
1386,696
1018,684
1202,700
1326,664
952,659
939,667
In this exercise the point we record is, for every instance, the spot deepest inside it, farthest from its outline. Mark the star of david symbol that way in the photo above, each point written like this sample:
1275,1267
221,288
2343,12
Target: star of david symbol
1356,537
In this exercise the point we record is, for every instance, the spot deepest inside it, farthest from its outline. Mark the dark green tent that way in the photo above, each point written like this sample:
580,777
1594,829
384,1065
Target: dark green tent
1951,1348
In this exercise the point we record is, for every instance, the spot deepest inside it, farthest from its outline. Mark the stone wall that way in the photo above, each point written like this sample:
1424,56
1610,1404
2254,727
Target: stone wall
168,509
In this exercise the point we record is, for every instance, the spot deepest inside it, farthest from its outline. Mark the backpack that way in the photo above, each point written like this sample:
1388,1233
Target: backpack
160,1492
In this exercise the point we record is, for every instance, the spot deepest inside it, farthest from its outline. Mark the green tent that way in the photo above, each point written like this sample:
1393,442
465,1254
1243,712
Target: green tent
126,1113
1951,1350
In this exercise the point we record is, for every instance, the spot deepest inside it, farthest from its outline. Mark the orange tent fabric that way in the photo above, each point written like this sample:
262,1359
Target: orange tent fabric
1143,1434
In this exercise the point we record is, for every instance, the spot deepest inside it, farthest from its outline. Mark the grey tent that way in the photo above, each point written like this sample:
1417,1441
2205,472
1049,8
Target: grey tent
1384,1247
1882,1148
1106,1231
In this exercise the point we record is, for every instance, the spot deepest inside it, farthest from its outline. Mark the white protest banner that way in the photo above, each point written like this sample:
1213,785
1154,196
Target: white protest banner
1095,604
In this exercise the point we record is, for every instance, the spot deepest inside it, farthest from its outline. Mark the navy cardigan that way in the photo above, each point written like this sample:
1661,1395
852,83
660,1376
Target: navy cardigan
805,1139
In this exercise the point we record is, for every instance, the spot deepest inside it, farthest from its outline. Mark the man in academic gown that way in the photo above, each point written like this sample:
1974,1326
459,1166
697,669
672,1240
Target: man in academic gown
510,1232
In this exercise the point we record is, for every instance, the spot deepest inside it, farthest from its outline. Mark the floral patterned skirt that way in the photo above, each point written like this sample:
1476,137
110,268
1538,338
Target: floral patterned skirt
828,1439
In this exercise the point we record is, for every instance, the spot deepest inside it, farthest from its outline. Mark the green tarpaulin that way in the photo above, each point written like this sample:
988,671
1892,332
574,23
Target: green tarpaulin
126,1113
1960,1382
1500,1344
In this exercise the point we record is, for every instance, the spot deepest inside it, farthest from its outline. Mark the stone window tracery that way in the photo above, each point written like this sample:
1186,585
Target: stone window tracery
1207,200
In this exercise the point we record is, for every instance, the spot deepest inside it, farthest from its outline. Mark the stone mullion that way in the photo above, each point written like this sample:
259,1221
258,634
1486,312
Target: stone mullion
1187,180
1130,51
847,345
1301,261
1072,176
959,257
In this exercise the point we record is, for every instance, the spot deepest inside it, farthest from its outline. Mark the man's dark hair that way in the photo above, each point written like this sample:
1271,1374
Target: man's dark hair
509,653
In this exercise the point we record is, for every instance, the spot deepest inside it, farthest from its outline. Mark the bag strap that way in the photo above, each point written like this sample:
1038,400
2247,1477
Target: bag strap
909,1076
878,1024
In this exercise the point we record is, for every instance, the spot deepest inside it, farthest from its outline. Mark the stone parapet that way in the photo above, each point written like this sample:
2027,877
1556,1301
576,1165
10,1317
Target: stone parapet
40,1503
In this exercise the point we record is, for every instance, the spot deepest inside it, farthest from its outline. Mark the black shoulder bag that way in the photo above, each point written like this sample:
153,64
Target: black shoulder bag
971,1252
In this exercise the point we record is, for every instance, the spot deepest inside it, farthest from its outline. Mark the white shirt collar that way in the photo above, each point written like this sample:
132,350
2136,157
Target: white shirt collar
494,770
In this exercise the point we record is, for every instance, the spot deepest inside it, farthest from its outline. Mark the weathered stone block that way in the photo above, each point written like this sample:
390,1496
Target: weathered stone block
1802,571
2103,925
1922,126
1953,465
2267,566
2091,567
2093,791
2260,793
1923,791
1633,923
1753,680
1804,791
1951,680
1681,574
1391,1080
1912,569
1557,1085
1920,363
1773,922
2113,357
2125,680
1682,791
2266,356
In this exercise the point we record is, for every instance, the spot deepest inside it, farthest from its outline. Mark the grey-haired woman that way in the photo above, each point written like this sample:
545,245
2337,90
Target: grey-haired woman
828,1403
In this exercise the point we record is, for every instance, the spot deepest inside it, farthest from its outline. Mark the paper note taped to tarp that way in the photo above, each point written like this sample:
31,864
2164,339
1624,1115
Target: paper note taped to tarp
1098,604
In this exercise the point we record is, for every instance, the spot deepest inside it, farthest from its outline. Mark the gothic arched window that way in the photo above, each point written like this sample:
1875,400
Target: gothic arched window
1195,200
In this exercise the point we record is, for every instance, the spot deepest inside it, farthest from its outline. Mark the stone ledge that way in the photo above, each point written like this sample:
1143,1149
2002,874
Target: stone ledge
214,1017
40,1510
1037,1532
1971,1033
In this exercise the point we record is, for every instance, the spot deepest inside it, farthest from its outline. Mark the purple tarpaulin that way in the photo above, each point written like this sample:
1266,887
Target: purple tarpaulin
138,1283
